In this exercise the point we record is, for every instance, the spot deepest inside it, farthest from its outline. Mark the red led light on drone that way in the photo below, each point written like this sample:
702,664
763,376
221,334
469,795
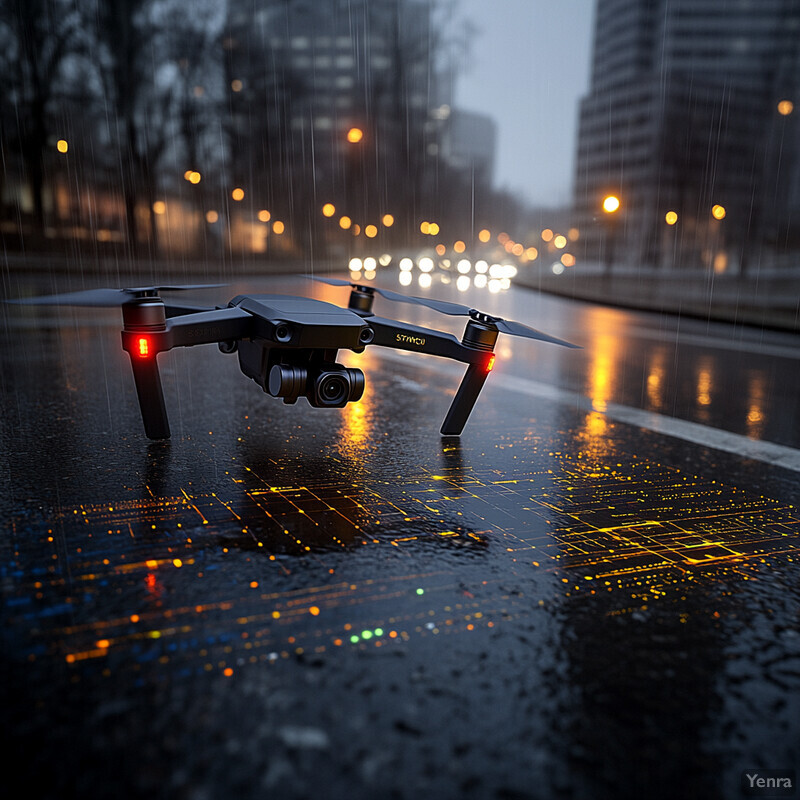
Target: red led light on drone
490,364
143,346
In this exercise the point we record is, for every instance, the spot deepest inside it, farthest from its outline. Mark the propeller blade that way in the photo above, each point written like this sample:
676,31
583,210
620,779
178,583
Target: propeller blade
458,310
518,329
453,309
332,281
179,288
91,297
104,298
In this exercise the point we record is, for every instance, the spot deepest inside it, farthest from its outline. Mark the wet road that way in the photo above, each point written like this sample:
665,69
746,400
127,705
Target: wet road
593,593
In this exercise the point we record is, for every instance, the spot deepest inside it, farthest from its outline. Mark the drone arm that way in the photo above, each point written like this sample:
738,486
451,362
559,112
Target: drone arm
208,327
402,336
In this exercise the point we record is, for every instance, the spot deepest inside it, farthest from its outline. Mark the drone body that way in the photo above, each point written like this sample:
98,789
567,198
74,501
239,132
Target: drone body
289,345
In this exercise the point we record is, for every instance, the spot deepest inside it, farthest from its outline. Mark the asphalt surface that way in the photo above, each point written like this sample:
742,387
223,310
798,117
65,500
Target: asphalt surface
594,592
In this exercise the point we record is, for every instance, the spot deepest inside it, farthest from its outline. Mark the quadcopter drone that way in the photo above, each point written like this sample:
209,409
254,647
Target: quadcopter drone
288,345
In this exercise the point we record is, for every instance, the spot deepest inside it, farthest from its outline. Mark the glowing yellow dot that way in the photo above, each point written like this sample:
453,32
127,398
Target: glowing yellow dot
718,212
254,584
356,229
134,617
388,220
611,204
370,231
671,217
568,260
103,644
785,107
314,611
517,249
227,672
177,562
195,177
62,146
433,229
459,246
532,253
355,135
328,210
573,234
484,236
264,215
159,207
547,235
278,227
425,227
345,223
212,216
441,249
560,241
238,194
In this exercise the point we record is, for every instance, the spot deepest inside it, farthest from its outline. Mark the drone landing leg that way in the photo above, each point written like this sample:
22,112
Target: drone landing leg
151,397
465,398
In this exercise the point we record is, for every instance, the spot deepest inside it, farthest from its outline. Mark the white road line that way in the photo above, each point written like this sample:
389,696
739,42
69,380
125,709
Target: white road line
766,452
718,343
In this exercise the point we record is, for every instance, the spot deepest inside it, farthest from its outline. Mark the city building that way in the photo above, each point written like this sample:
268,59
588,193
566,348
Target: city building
333,103
691,121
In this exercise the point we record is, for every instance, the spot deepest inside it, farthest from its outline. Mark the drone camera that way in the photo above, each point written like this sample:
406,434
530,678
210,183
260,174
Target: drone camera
331,386
336,387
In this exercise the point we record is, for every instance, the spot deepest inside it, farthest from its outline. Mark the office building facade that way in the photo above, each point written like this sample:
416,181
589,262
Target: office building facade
692,109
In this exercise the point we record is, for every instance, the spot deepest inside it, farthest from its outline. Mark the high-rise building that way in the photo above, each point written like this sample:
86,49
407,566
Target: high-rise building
693,109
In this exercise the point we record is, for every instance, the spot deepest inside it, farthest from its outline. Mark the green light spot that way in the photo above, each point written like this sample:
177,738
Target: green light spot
354,639
420,591
366,634
379,631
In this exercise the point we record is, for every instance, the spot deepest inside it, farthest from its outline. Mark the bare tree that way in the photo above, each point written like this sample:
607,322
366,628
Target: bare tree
40,35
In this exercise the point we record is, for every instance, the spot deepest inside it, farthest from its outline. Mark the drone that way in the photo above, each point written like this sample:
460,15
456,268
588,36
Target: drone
288,345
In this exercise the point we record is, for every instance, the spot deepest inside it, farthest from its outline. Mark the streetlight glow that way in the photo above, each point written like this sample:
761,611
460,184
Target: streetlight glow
328,210
355,135
345,223
718,212
671,217
238,194
785,107
484,236
388,220
611,204
62,146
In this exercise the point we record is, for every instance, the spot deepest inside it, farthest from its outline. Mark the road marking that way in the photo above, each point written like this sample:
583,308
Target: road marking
766,452
718,343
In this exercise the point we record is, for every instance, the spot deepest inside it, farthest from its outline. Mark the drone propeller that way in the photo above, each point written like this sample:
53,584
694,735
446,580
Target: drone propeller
457,310
107,298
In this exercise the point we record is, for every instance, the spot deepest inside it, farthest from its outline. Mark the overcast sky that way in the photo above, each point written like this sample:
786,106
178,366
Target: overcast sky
528,66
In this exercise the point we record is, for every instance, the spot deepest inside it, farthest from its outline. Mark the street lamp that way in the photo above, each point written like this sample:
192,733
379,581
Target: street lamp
611,205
